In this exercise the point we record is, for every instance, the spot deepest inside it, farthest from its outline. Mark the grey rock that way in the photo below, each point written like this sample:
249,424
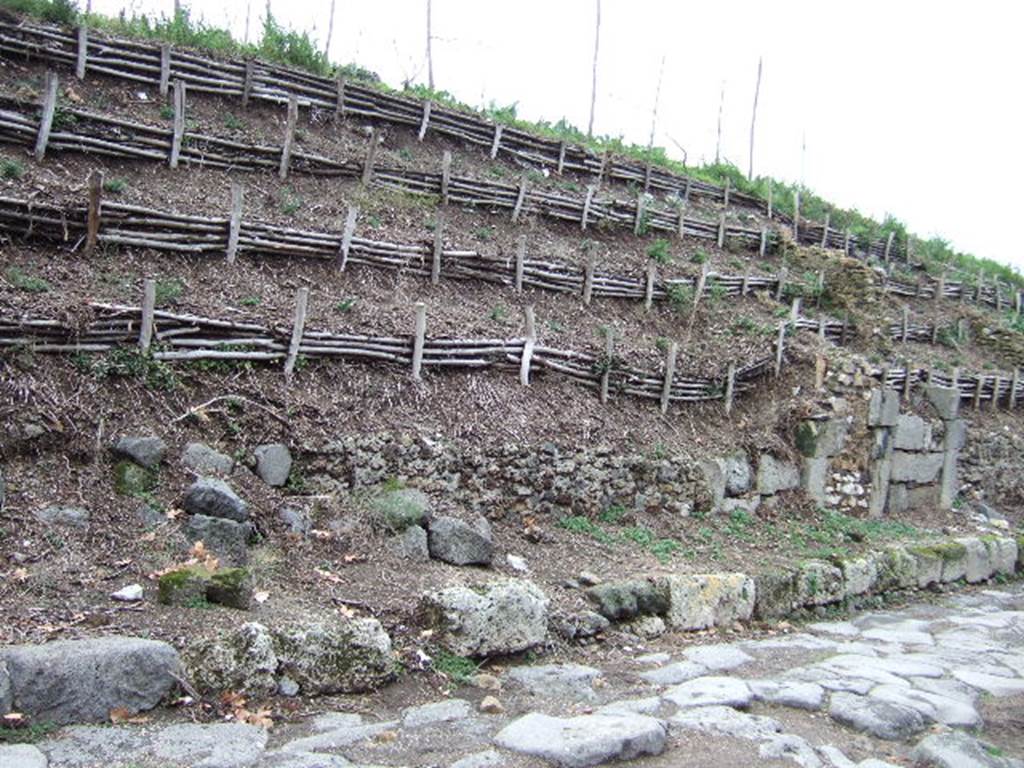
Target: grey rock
720,719
700,601
788,746
436,712
501,616
646,706
945,400
339,738
814,475
297,520
714,481
286,759
226,539
912,467
215,498
487,759
959,750
150,517
458,543
710,691
883,408
579,742
588,579
644,627
73,681
287,687
878,718
774,475
994,685
577,626
912,433
517,563
342,656
672,674
21,756
396,509
5,688
565,681
87,746
822,439
819,583
201,458
787,693
273,463
217,745
620,600
776,593
145,451
69,517
737,474
412,544
130,594
934,707
718,658
243,660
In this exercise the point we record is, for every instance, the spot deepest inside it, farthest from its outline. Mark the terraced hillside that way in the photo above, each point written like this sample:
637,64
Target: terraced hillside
341,349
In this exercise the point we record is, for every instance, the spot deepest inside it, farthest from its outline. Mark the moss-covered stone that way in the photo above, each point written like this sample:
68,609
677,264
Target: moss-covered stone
339,657
897,569
396,509
806,438
929,565
243,661
132,480
185,587
620,600
231,587
775,593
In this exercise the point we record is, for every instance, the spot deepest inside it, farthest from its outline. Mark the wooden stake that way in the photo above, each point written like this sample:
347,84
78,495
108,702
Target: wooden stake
427,106
418,339
730,384
446,175
824,231
347,234
586,207
796,217
681,210
1014,382
339,99
529,343
520,262
519,198
686,191
92,225
940,287
978,383
846,243
996,381
289,136
496,143
81,60
907,382
721,229
250,71
764,242
638,221
165,70
725,195
179,122
780,343
588,281
769,201
235,222
888,247
781,284
371,153
435,266
609,346
821,328
49,109
652,273
698,292
148,307
561,157
298,326
794,311
670,372
906,324
745,285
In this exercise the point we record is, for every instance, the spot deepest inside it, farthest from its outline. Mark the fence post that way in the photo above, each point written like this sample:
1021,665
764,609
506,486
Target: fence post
586,207
721,229
820,288
235,222
824,231
638,221
520,262
730,385
446,175
528,344
92,225
940,287
725,194
148,307
846,243
418,339
250,72
298,326
701,282
686,191
588,281
681,210
652,273
289,136
670,372
821,328
769,201
745,285
796,217
561,157
339,99
81,60
496,142
780,343
905,324
1018,300
1013,387
888,247
906,381
609,346
371,153
435,265
794,311
425,121
46,120
179,122
165,71
978,379
519,198
996,381
348,233
764,242
781,284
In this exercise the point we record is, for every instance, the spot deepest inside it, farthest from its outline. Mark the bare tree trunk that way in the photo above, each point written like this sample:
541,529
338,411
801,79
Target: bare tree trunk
248,15
718,142
430,55
593,86
753,120
330,32
654,111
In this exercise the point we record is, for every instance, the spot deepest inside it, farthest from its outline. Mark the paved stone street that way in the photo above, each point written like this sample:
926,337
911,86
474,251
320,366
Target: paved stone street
931,684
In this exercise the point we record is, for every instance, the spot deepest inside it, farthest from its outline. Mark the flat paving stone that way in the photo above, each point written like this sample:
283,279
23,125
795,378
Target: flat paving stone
220,745
727,721
672,674
786,693
571,681
21,756
991,684
718,658
960,750
437,712
878,718
934,707
709,691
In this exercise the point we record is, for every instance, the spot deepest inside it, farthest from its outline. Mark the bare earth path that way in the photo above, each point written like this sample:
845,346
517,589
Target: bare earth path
931,684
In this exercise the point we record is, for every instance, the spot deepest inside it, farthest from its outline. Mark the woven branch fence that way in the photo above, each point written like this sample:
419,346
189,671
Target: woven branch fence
160,65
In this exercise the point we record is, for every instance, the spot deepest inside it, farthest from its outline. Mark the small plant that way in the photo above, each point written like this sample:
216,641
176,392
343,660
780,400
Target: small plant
586,526
457,668
232,123
251,301
290,202
612,515
129,362
484,233
699,257
29,733
167,112
168,291
11,169
680,297
345,305
499,314
26,282
659,251
114,186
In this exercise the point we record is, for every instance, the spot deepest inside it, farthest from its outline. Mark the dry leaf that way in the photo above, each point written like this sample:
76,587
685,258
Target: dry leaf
13,719
151,536
328,576
20,574
345,611
232,699
260,597
259,718
120,715
354,559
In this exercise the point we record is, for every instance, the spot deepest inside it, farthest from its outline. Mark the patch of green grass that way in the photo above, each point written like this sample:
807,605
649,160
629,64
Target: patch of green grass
11,168
499,314
233,123
23,281
55,11
613,514
114,186
699,257
251,301
484,233
129,362
587,527
346,305
290,202
659,251
28,734
168,291
459,669
739,523
680,297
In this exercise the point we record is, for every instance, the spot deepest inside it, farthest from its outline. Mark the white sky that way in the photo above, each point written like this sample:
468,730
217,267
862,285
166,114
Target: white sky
908,107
